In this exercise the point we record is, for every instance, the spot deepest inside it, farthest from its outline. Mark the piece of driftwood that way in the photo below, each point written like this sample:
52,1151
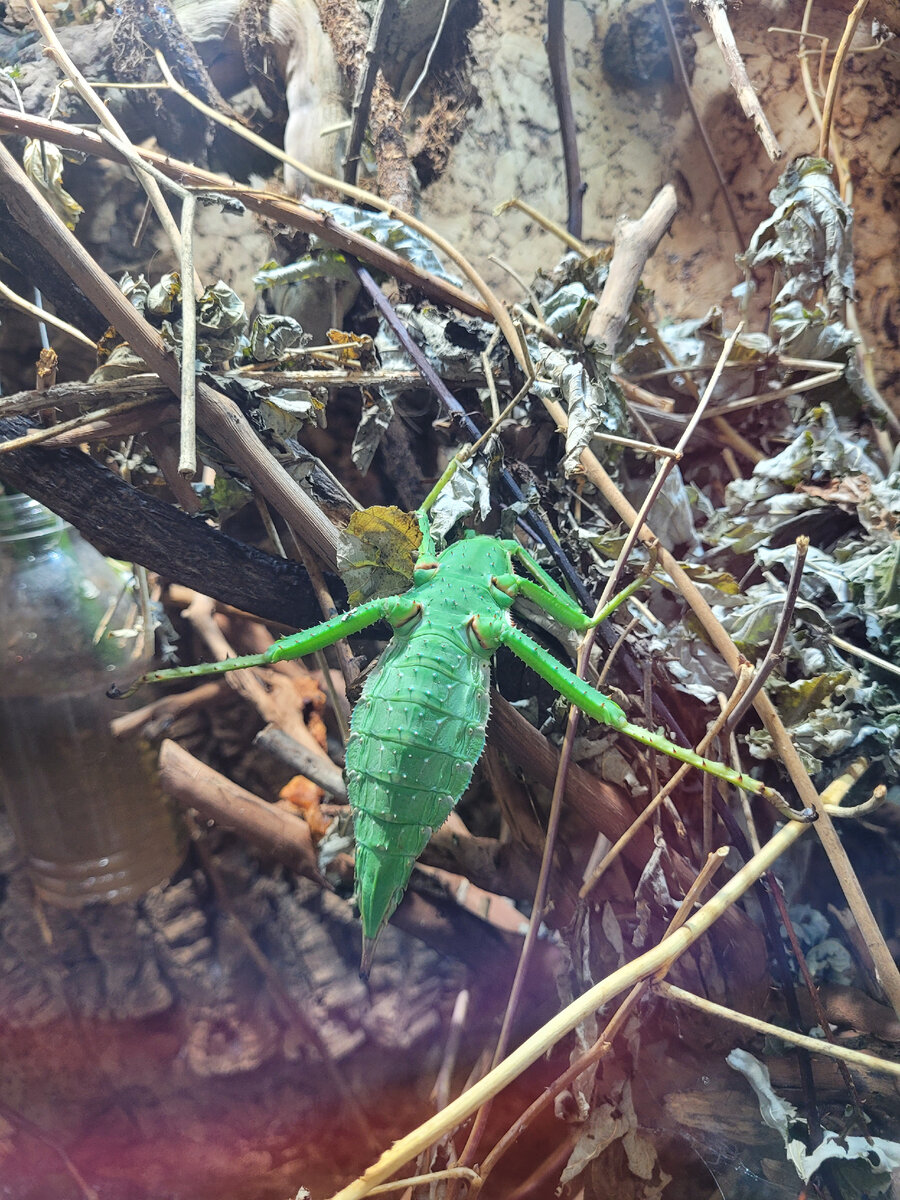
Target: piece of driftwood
195,785
635,241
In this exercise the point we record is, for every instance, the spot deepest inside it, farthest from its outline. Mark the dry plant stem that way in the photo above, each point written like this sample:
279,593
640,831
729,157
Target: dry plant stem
864,654
16,301
559,75
812,95
665,469
440,1093
545,222
681,73
529,292
134,387
426,66
717,16
773,654
728,435
834,77
270,204
362,99
596,997
854,1058
51,432
541,1182
614,851
888,974
187,456
144,420
634,242
791,389
221,417
413,1181
107,120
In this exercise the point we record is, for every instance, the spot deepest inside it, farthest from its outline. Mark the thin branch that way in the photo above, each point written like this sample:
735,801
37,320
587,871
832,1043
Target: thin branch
75,423
559,74
362,99
834,76
681,72
717,16
187,457
423,74
854,1058
773,654
41,314
545,222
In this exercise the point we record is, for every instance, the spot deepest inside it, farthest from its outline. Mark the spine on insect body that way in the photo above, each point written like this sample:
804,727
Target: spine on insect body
417,732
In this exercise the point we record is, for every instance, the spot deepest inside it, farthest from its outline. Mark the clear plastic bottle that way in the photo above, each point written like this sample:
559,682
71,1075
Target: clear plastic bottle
86,809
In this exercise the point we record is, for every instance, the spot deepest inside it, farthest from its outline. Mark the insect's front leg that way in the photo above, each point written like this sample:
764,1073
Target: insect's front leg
602,709
294,646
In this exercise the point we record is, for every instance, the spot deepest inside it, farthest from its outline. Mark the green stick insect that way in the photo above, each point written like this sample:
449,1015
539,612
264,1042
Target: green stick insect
419,727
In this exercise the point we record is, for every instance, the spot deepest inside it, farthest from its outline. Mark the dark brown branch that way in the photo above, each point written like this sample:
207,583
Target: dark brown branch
556,55
126,524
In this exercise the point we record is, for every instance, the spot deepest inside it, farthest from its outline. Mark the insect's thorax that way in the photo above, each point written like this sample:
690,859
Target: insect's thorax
460,589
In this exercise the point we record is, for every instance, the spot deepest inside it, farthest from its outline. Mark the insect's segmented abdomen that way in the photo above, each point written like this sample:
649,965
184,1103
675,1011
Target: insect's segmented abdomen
417,732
